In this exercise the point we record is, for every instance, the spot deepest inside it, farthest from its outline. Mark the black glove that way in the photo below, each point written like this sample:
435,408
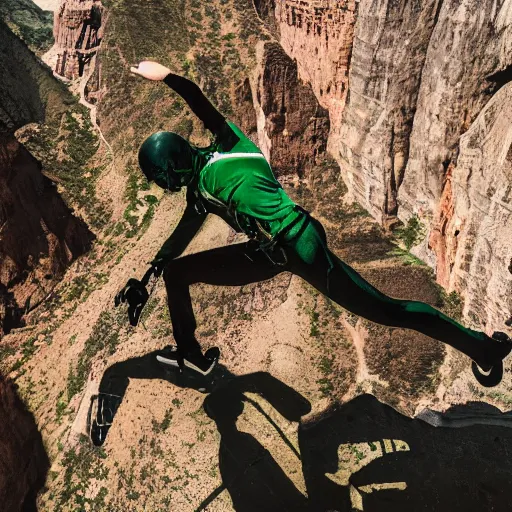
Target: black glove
157,267
135,293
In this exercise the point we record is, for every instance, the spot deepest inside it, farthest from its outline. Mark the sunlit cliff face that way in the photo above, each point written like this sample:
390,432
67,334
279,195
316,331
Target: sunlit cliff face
402,106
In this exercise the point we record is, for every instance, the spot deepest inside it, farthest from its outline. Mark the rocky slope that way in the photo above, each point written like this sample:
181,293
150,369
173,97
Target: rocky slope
39,234
406,93
288,355
24,463
30,22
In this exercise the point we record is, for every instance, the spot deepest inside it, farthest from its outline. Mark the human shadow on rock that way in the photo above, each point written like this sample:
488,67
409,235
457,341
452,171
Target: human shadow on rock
364,455
253,478
251,475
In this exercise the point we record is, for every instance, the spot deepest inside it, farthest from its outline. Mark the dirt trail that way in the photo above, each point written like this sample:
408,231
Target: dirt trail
358,335
92,108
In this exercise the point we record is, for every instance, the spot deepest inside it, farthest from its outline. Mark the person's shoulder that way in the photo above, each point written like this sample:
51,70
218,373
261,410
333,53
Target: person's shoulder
233,139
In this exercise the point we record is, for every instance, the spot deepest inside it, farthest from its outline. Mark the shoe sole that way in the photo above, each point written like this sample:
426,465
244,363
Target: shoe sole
488,378
188,364
169,362
192,366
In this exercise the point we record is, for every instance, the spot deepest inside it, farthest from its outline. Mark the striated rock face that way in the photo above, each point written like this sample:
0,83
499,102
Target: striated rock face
78,32
318,35
472,231
468,46
463,207
23,460
372,144
403,81
290,115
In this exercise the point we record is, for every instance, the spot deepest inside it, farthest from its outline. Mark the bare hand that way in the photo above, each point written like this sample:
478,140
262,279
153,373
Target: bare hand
151,70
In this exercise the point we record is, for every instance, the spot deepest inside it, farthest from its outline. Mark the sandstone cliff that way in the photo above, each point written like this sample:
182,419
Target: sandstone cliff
402,82
39,236
77,31
165,447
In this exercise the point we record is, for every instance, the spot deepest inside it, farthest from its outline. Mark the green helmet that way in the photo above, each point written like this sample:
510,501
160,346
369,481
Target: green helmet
166,159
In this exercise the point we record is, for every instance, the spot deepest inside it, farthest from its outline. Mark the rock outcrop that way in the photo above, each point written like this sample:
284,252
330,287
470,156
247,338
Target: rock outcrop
30,22
292,126
403,81
472,231
78,32
28,92
23,460
39,235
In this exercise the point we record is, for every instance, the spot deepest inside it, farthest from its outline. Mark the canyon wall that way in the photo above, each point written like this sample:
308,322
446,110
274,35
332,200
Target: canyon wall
403,81
77,31
292,126
29,22
39,235
23,460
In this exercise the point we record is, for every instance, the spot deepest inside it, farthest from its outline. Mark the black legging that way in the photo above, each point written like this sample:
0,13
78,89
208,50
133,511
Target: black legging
309,257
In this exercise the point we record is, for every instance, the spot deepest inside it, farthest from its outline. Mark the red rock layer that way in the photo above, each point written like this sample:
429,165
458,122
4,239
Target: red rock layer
39,235
77,35
23,460
294,121
438,235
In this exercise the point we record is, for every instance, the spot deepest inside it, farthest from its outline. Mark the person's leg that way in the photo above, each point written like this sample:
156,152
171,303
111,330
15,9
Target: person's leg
315,263
225,266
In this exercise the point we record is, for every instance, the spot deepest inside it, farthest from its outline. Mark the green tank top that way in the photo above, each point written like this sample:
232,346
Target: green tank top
241,181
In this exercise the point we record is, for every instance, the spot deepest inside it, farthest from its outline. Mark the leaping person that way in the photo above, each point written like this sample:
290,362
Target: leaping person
232,179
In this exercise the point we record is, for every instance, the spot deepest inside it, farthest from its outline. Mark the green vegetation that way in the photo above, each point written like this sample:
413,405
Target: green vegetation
29,23
358,454
133,224
314,317
82,286
28,349
66,151
60,408
104,337
406,257
412,233
326,385
6,351
164,424
451,304
81,466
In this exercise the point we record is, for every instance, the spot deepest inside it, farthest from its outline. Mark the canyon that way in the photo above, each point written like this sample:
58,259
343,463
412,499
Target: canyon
405,84
388,120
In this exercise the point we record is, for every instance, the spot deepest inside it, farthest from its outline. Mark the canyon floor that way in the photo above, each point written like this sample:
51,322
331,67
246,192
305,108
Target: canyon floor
309,406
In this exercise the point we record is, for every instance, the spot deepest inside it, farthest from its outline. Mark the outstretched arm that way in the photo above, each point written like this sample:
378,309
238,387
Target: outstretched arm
188,90
197,101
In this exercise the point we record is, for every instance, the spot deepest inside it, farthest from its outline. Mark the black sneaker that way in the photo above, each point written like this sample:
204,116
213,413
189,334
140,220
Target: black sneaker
195,361
170,356
200,363
490,373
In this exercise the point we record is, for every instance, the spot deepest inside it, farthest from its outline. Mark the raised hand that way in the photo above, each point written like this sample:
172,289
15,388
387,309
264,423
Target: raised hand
136,295
150,70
